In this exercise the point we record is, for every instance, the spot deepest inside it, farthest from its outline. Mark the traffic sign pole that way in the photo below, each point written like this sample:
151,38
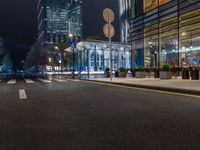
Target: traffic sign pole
109,32
111,66
110,46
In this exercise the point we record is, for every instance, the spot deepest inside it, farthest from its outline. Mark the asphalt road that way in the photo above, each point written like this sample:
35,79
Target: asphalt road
77,115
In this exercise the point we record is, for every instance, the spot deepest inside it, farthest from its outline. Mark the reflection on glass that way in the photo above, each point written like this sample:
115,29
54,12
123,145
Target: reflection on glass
169,43
151,51
169,49
190,40
139,52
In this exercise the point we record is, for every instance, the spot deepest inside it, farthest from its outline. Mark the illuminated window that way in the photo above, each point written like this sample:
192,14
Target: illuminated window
190,39
161,2
151,4
151,46
169,42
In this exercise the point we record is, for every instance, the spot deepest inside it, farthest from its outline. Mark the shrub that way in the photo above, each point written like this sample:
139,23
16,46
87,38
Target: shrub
166,67
122,69
141,68
107,69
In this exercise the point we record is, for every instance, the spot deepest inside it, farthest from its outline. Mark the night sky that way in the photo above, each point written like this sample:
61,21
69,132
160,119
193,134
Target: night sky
18,23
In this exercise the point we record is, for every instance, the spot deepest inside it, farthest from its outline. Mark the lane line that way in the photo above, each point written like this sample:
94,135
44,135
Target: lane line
75,80
60,80
12,81
147,90
29,81
22,94
45,81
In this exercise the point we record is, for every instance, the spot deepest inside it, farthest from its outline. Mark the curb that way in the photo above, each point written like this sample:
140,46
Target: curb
166,89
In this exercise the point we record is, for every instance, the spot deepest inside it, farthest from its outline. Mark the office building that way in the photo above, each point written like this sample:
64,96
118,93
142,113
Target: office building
165,32
94,55
57,19
125,17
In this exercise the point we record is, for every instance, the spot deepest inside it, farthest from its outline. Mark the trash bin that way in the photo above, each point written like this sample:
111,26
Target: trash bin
106,74
73,75
116,74
185,74
156,74
79,75
195,74
133,73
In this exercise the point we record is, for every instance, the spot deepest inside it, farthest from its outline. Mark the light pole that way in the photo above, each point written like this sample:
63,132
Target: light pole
109,32
73,46
60,60
50,62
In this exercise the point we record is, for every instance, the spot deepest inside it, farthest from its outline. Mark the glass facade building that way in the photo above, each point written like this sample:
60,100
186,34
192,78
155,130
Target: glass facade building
125,16
57,19
165,32
95,56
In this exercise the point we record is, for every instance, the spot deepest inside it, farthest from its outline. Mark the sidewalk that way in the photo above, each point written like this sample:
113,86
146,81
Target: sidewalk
173,85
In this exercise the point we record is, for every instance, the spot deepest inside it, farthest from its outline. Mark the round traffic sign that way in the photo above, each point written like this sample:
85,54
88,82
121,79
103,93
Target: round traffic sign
108,15
109,30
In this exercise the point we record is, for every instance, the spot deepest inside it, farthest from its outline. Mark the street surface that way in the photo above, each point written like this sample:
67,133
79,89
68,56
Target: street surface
61,114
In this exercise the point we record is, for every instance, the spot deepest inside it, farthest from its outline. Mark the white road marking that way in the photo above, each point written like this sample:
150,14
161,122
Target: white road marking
60,80
45,81
22,94
29,81
75,80
12,81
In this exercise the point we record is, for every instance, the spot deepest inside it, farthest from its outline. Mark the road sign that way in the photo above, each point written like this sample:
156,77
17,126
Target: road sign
109,30
108,15
73,43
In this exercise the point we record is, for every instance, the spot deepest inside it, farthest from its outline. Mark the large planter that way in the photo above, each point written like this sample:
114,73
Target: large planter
122,74
140,74
165,75
195,74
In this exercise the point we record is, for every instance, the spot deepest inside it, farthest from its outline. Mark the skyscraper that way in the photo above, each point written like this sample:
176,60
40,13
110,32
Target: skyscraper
57,19
125,16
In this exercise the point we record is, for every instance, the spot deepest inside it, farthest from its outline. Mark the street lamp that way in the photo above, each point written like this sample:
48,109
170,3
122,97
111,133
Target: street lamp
56,48
71,35
73,46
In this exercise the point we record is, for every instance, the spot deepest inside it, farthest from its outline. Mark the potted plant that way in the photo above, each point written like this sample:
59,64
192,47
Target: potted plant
140,72
166,73
122,72
107,73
